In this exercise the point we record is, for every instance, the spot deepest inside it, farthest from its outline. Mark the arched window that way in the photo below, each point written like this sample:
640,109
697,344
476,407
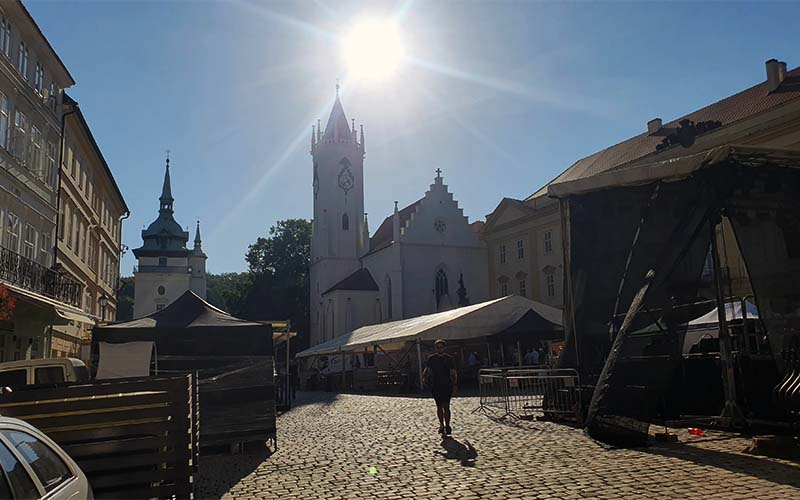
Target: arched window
441,286
345,222
387,282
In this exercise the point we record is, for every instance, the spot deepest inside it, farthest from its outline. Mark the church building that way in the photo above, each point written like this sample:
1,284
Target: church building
423,258
166,267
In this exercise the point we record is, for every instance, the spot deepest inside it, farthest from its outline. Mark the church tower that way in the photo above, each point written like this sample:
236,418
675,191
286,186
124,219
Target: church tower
166,267
339,234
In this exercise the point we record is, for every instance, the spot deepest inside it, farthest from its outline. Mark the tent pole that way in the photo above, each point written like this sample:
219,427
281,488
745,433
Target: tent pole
731,414
489,353
502,355
419,364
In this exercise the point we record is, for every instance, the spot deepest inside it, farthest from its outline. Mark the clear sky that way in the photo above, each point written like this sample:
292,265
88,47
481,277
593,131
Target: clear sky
502,96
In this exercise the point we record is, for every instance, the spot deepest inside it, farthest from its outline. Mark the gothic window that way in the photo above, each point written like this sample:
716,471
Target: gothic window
345,222
503,281
550,282
520,249
523,292
503,254
441,286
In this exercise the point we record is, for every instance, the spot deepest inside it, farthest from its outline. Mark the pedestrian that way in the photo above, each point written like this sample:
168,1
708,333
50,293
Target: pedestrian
473,359
440,376
534,357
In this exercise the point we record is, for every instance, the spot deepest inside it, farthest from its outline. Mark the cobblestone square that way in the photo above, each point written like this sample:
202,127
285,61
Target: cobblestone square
328,443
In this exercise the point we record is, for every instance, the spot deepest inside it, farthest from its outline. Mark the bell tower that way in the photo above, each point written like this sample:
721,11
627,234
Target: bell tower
338,237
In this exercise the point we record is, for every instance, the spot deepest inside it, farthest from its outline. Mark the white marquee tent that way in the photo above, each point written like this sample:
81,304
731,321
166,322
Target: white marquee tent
474,321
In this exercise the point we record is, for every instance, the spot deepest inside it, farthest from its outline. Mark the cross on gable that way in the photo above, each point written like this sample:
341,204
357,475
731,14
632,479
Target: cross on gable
438,173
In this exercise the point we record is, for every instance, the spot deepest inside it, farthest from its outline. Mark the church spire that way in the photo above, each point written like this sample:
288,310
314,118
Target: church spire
197,241
166,192
337,129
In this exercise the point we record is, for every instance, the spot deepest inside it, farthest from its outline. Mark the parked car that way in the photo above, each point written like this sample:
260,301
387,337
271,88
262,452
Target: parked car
42,371
36,467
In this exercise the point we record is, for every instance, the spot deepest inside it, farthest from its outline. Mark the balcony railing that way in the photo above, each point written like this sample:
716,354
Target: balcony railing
25,273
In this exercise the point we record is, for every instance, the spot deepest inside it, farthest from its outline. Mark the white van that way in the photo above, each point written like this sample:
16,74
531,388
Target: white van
42,371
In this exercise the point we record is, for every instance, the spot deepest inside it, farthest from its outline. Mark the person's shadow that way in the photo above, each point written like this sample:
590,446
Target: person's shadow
463,452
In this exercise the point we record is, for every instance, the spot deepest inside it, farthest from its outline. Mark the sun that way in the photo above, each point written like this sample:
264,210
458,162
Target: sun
373,50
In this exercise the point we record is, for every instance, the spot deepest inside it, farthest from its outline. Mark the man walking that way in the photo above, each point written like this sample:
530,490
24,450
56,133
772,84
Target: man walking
440,376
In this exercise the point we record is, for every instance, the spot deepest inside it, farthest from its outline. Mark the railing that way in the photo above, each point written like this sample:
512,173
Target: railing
23,272
160,269
519,392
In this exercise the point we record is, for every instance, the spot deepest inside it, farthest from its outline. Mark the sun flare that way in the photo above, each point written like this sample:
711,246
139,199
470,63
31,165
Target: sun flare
373,50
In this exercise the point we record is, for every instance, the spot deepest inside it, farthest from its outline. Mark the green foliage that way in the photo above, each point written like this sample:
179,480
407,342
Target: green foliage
228,291
125,296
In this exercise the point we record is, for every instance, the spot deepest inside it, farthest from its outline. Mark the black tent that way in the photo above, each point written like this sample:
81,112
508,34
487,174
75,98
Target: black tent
636,240
232,358
190,326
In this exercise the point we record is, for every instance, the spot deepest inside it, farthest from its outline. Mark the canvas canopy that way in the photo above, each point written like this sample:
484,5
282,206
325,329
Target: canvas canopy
733,310
192,326
477,320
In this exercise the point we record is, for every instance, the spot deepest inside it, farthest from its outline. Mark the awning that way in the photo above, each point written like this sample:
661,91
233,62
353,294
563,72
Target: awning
75,316
733,310
61,310
677,168
477,320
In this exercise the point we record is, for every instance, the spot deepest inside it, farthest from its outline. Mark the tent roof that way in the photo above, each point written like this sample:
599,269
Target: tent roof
187,311
477,320
733,310
677,168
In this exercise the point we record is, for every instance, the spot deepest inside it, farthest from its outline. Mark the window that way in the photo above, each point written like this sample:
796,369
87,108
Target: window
503,289
74,236
52,98
550,282
345,222
68,160
80,239
520,250
29,251
441,286
50,165
12,232
66,228
36,153
46,247
548,241
38,78
83,180
22,61
162,262
14,378
48,375
76,169
18,478
19,141
46,464
503,254
523,292
5,36
5,120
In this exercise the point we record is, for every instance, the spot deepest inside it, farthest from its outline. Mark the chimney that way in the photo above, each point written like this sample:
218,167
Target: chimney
776,72
654,125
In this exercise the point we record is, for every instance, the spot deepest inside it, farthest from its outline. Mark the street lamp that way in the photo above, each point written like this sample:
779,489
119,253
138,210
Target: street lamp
103,303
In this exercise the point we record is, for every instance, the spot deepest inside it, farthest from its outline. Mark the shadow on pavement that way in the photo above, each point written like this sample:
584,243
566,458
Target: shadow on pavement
217,474
455,450
762,468
312,397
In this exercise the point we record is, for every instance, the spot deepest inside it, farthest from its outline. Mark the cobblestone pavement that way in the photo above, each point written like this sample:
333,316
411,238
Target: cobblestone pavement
327,445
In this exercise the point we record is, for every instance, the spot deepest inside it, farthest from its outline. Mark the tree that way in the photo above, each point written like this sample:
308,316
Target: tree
125,298
228,291
279,267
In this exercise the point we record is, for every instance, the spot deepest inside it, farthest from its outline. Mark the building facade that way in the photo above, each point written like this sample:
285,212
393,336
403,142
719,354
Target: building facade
766,114
166,268
32,79
90,230
424,258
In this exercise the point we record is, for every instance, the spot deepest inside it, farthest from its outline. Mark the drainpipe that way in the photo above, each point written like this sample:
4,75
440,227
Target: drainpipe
120,253
73,110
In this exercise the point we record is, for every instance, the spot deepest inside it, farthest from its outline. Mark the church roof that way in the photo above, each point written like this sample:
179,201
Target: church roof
745,104
164,235
383,236
359,280
337,128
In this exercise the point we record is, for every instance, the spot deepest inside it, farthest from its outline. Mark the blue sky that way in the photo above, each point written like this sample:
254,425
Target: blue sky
502,96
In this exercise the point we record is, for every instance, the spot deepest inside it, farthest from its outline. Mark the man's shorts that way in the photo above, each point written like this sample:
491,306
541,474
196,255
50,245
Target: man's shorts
442,397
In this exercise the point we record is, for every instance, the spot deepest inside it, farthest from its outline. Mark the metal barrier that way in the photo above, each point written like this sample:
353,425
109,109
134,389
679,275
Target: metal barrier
517,392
